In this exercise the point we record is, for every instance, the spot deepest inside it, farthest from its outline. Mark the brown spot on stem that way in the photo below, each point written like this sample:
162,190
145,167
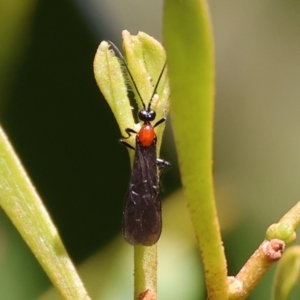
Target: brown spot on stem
273,249
147,295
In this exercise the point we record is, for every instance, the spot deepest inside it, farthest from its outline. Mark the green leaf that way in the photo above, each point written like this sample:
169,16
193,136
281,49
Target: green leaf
23,206
188,41
145,58
109,76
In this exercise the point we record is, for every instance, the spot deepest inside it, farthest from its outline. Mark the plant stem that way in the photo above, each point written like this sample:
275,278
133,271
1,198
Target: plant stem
254,269
145,272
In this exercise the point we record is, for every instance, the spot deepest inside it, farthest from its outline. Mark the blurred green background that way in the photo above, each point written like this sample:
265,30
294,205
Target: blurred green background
67,138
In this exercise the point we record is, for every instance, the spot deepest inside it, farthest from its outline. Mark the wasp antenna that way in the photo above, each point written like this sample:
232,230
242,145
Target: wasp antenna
156,86
123,61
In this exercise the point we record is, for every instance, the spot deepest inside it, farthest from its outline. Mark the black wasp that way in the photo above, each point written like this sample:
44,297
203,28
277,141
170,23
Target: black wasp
142,222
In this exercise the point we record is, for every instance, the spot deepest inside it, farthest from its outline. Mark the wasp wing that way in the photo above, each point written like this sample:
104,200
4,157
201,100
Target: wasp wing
142,221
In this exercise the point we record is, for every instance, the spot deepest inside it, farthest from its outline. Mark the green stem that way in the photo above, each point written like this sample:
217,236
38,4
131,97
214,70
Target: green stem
145,272
292,217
